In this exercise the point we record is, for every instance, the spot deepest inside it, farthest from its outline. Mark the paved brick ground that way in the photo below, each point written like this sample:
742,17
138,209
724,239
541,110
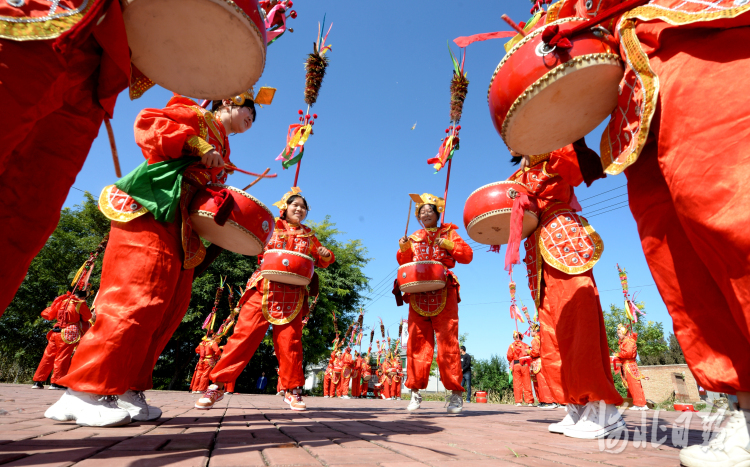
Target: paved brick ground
251,430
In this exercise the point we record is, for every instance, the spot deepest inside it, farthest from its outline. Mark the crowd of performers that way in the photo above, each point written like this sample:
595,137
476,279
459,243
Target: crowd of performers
347,370
685,177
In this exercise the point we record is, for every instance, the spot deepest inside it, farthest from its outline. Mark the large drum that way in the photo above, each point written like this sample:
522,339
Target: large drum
208,49
487,213
542,98
248,228
288,267
422,276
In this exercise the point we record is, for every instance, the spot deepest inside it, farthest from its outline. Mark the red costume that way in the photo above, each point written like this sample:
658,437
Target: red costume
559,257
521,378
62,65
208,351
631,376
264,303
72,315
396,380
336,375
690,210
147,271
347,365
328,387
434,314
385,379
356,375
537,376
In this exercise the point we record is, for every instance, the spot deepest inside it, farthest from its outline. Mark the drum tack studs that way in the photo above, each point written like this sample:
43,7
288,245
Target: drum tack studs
285,262
16,3
589,4
403,274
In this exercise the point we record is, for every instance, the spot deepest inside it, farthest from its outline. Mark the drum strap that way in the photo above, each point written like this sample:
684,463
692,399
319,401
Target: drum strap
554,37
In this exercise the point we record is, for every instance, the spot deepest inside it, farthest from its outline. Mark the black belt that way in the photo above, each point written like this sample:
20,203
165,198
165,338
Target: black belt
56,330
516,362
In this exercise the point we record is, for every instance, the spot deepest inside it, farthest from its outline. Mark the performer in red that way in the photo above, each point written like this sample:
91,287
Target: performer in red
265,302
62,65
689,211
385,378
521,378
208,354
537,377
72,314
147,271
327,384
336,378
560,255
366,376
396,380
347,367
434,315
356,375
279,389
631,376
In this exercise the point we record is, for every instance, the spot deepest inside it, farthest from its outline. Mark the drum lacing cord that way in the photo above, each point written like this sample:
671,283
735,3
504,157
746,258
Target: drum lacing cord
553,37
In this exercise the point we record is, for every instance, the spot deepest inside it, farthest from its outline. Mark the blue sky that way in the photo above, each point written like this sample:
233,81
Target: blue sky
390,69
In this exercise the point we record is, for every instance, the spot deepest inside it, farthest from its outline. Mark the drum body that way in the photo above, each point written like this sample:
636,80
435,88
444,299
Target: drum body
481,397
287,267
422,276
542,98
487,213
174,43
248,229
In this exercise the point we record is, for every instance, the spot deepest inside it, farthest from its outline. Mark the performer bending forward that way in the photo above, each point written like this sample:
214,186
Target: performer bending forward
147,272
434,315
265,302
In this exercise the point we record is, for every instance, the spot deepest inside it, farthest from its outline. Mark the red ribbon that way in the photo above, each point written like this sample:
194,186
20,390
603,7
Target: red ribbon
520,204
554,38
224,203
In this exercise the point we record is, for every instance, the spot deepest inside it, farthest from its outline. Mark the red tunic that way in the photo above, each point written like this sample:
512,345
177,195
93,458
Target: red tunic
629,372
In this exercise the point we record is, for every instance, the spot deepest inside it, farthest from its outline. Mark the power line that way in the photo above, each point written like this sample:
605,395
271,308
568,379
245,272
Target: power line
605,212
613,189
604,201
623,203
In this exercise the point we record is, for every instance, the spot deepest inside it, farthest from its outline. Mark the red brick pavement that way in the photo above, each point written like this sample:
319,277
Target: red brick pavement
252,430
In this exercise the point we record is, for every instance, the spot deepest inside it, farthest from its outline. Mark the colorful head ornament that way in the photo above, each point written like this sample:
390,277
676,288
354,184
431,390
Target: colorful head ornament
264,97
517,334
622,327
282,204
427,198
535,327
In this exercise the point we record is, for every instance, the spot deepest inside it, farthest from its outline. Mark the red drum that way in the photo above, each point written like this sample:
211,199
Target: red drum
542,98
248,229
487,213
366,374
287,267
481,397
422,276
173,42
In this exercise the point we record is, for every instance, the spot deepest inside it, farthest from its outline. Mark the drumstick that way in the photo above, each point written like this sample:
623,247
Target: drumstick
112,146
513,24
408,218
260,177
234,167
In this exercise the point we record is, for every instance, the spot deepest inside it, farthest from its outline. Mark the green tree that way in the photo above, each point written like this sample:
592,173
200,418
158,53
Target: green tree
22,330
491,375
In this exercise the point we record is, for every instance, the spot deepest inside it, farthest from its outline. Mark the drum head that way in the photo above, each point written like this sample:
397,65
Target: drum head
493,228
566,109
285,277
174,43
231,236
422,286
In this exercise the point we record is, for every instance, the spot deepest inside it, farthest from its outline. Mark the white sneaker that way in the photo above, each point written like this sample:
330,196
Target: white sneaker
729,448
415,402
346,397
456,402
294,399
88,410
212,395
638,407
280,393
598,420
519,404
571,418
326,397
135,403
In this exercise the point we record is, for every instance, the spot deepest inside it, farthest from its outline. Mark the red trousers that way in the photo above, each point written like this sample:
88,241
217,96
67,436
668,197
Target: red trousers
635,390
51,115
56,359
249,331
420,347
343,387
386,388
575,353
356,387
522,384
541,389
200,376
328,388
229,387
396,389
688,192
143,297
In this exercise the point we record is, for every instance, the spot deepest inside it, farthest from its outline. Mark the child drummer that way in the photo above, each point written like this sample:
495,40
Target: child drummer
434,314
147,274
267,302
